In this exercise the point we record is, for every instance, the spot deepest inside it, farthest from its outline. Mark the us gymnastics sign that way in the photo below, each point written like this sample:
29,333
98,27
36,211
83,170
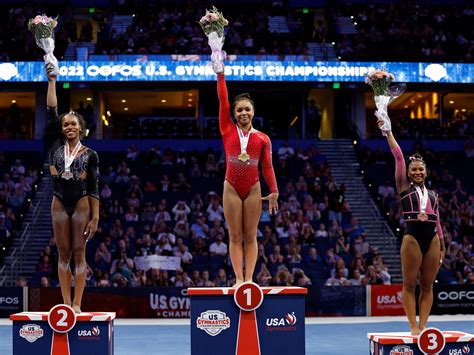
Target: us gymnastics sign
282,71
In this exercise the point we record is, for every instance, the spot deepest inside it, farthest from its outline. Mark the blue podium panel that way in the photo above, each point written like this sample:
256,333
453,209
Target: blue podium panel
219,326
401,343
92,335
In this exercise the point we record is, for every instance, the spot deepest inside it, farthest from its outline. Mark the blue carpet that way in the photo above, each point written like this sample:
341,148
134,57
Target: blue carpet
321,339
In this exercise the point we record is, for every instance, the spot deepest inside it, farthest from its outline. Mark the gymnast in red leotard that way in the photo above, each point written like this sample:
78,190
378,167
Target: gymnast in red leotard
244,147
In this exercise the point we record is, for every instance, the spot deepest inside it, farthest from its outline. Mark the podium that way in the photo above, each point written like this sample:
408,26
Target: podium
403,343
248,320
86,333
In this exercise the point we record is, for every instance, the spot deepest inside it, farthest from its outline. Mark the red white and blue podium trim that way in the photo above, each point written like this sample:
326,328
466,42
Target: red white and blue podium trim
40,333
251,320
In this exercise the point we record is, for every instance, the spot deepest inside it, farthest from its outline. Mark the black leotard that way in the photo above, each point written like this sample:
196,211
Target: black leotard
84,167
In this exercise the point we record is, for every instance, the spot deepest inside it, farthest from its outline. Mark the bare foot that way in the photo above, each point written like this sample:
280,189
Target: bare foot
238,283
76,308
415,330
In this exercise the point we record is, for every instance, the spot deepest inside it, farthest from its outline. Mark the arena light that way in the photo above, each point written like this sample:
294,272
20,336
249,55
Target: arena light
124,101
89,98
163,101
103,118
355,23
66,85
336,85
354,142
13,101
463,110
451,102
406,106
305,10
190,100
108,113
125,108
333,43
352,17
91,10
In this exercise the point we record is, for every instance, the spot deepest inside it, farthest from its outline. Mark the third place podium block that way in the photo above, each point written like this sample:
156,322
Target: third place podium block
430,341
248,320
61,332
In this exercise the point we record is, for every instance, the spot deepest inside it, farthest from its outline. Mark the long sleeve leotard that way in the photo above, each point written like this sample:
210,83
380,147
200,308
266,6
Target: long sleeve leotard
243,175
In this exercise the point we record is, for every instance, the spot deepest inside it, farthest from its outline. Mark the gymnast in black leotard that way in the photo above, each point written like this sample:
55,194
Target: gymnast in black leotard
422,248
75,205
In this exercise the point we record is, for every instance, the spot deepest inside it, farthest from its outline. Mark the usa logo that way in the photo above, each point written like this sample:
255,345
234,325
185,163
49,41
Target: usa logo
31,332
94,332
213,322
290,318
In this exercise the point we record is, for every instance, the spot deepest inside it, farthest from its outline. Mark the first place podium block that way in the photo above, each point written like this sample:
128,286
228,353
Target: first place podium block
402,343
86,333
248,320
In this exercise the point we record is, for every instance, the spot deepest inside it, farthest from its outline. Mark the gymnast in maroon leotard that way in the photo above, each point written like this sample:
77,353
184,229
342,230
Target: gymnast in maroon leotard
422,248
244,148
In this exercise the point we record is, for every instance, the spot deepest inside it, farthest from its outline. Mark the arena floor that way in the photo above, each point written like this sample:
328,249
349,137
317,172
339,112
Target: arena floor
323,335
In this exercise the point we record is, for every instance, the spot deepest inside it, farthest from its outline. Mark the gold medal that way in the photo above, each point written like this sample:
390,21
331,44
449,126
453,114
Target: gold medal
243,157
422,217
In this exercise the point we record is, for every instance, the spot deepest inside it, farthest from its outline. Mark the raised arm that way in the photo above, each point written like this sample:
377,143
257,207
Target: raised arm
225,121
52,138
401,179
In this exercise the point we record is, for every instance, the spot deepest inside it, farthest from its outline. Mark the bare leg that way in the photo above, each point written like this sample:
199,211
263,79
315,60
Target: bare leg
233,216
252,209
79,221
429,270
411,262
62,235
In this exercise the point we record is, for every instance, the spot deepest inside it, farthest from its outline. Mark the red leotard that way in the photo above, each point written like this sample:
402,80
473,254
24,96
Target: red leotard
243,175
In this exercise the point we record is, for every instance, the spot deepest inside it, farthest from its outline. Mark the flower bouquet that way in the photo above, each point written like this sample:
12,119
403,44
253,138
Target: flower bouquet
42,27
384,94
213,23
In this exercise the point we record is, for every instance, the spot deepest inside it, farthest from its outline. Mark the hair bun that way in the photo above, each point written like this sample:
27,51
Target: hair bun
243,96
416,156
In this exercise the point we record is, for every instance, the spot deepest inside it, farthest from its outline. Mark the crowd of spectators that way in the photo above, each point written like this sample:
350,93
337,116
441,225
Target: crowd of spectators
169,203
17,187
403,127
406,30
450,176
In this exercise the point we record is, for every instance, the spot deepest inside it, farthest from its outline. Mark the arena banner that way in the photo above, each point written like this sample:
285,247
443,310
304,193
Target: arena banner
11,301
157,262
453,299
385,300
146,302
239,70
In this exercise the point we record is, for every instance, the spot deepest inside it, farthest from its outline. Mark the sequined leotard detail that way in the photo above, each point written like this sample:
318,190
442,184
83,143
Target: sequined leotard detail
84,169
423,231
243,175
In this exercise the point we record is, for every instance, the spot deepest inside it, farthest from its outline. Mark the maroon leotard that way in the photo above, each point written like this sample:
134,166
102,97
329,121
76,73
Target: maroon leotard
409,198
243,175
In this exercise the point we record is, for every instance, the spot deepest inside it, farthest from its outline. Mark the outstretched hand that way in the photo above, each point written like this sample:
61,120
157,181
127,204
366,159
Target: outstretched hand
383,121
50,72
273,202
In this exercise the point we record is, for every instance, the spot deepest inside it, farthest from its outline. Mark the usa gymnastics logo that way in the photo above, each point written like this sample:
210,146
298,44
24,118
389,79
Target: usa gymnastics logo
282,324
401,350
31,332
213,322
91,334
